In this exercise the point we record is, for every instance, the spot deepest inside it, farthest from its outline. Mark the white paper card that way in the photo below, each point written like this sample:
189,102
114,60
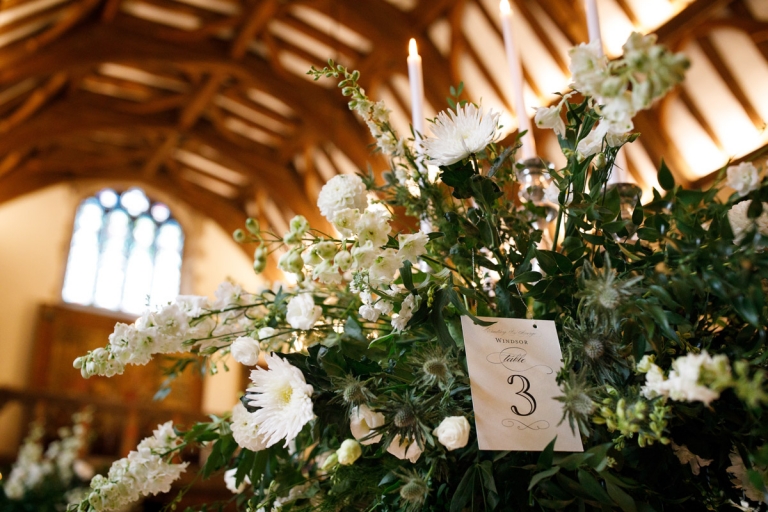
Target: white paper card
512,368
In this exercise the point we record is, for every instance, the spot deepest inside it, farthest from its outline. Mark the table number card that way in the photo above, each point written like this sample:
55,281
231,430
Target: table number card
512,368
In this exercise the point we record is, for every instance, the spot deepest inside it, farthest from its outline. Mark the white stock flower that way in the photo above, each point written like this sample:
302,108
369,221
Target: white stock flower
741,223
349,451
345,221
412,246
342,192
409,305
343,260
369,312
245,350
686,381
588,67
283,399
327,273
230,481
362,421
384,306
365,254
617,114
373,226
245,429
227,295
385,266
453,432
301,312
409,449
743,178
549,117
456,135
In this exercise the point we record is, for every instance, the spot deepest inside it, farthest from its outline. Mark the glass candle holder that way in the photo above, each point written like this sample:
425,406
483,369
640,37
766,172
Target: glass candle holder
533,176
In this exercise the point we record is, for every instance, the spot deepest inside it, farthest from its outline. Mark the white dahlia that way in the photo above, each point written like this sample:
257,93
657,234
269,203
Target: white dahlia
342,192
460,134
283,399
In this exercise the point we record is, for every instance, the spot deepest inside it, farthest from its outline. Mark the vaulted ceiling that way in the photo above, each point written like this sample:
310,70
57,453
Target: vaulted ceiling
209,99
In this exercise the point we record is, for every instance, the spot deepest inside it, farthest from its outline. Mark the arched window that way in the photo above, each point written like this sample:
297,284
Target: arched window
125,253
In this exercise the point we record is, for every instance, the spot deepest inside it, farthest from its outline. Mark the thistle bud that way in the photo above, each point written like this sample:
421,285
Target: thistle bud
405,417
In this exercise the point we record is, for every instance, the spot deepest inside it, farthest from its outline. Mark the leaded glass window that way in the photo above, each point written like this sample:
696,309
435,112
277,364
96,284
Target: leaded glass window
125,253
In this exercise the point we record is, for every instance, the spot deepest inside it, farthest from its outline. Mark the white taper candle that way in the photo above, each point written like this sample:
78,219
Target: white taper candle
416,78
516,70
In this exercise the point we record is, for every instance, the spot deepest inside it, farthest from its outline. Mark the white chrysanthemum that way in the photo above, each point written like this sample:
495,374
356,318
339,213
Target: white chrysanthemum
283,399
741,223
362,421
245,429
460,134
412,246
301,312
342,192
245,350
743,178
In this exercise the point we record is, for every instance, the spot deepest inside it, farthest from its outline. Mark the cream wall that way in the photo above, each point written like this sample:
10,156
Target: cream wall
34,241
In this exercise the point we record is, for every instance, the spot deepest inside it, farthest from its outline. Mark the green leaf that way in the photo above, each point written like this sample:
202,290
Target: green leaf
546,456
547,261
755,209
486,475
615,226
574,460
527,277
666,180
407,275
541,475
593,487
621,498
464,490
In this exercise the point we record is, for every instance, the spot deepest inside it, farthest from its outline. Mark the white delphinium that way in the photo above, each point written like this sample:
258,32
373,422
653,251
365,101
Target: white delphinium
692,378
592,143
412,246
367,311
301,312
407,308
362,421
343,260
365,254
741,223
245,350
245,429
456,135
743,178
143,472
373,226
228,295
404,449
453,432
385,266
29,469
342,192
283,400
230,481
327,272
550,117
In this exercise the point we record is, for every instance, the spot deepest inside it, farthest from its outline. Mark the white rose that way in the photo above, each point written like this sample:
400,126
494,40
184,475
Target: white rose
245,350
302,313
412,246
231,482
741,223
409,449
349,452
743,178
453,432
362,420
342,192
549,117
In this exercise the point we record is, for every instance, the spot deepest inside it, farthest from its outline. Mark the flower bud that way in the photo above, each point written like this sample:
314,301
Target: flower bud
343,260
349,452
78,363
330,462
252,225
326,250
239,236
